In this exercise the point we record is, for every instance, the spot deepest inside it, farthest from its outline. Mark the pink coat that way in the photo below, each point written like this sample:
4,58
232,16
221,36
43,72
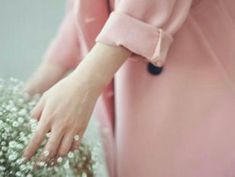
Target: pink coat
175,121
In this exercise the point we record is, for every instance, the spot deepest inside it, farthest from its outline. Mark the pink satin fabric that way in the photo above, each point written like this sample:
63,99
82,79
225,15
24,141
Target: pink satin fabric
176,124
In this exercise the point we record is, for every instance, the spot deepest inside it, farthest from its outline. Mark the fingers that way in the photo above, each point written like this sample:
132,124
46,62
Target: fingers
52,146
37,111
36,140
77,138
59,144
66,144
61,140
75,144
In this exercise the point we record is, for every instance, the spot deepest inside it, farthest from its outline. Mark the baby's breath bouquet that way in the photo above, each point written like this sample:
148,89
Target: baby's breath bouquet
16,128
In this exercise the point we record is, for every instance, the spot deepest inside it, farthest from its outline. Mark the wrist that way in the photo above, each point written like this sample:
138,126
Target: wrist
100,65
89,79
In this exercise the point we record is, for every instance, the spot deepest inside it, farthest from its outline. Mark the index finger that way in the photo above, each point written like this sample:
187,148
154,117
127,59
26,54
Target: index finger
36,140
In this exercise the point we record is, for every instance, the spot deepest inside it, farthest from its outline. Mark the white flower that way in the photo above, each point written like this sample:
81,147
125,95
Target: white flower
13,109
20,100
22,112
12,157
2,168
70,155
59,159
19,146
41,163
18,173
15,133
84,175
20,120
23,167
15,124
12,144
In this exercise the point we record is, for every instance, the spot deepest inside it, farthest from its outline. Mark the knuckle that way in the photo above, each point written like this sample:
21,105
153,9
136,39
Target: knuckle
67,122
52,142
52,153
50,147
39,134
63,151
75,146
81,127
46,121
33,113
50,116
28,153
61,129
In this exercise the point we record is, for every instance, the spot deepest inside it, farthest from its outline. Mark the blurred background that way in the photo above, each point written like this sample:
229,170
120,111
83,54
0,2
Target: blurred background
26,29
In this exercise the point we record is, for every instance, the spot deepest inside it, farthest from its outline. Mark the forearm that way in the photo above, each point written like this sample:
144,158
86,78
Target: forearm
102,62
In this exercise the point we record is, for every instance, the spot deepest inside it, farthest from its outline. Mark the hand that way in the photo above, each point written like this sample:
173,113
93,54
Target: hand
64,110
46,76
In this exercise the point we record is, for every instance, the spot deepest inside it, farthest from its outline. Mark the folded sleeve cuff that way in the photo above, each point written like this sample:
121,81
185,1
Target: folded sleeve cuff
141,38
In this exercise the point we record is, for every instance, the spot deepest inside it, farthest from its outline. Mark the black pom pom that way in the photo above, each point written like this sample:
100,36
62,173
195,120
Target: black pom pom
152,69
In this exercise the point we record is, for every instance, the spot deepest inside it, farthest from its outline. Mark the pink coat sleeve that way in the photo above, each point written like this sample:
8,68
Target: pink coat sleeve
145,27
64,49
